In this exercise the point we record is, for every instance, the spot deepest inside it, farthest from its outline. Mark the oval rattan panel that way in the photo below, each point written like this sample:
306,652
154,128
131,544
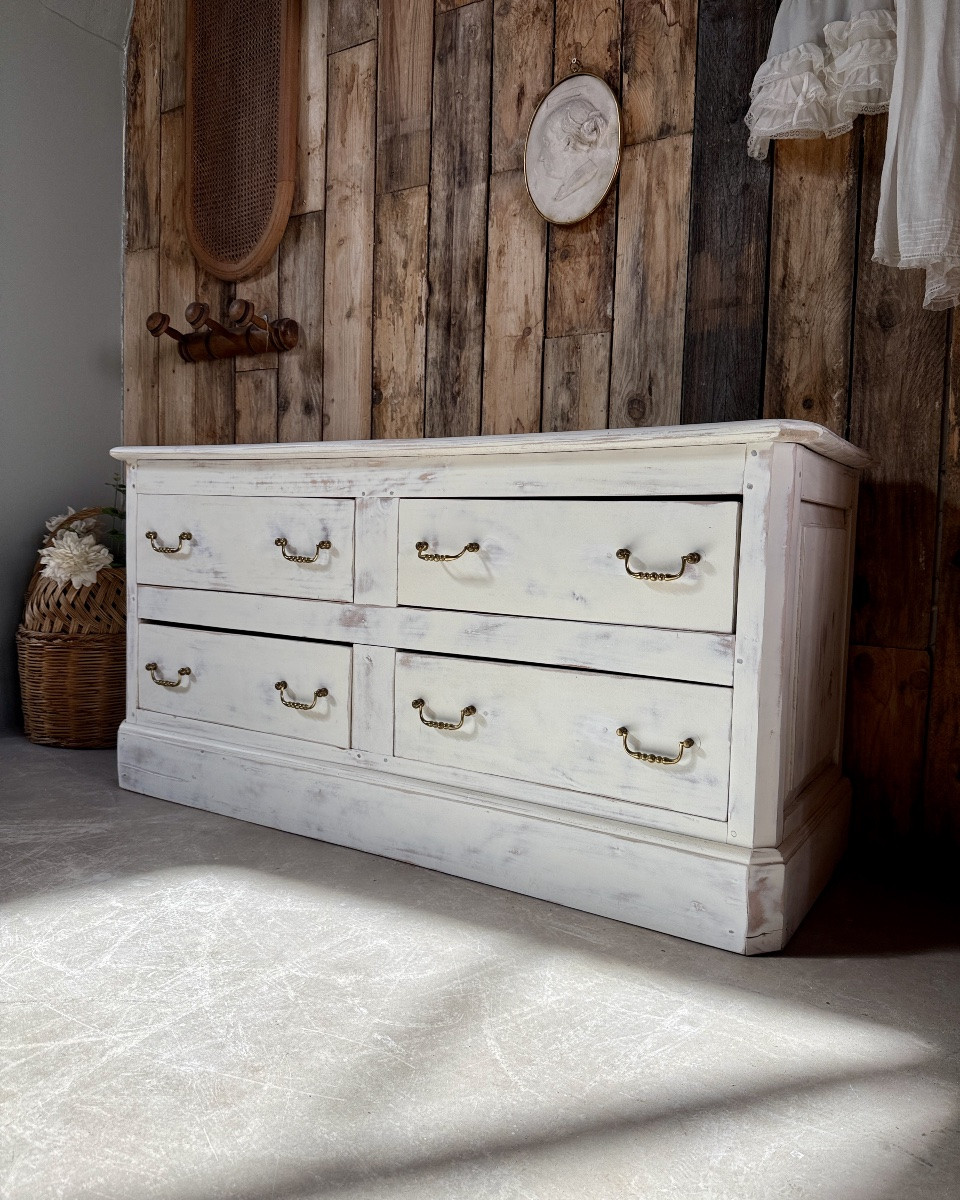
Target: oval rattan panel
242,62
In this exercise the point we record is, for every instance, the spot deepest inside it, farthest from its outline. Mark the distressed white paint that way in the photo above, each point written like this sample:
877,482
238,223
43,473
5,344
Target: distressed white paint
232,544
721,895
376,551
703,438
559,727
766,613
673,653
373,672
558,558
502,793
821,636
233,679
679,471
536,793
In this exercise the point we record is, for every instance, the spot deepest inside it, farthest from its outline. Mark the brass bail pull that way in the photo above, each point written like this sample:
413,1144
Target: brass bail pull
423,547
302,558
151,536
642,756
656,576
282,685
153,668
469,711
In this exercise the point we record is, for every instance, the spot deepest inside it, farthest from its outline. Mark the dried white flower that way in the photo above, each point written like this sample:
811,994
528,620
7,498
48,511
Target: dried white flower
81,527
74,559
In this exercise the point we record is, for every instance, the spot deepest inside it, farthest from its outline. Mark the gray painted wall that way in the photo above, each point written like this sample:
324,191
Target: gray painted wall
61,179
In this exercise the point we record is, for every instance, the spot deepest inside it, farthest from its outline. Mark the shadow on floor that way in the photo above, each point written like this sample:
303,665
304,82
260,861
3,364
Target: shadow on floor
858,914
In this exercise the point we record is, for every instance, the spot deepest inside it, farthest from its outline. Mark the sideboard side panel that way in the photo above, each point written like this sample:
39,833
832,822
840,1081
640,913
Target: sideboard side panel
766,613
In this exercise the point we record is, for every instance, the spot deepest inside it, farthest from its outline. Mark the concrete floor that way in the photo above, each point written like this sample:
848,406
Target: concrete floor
194,1009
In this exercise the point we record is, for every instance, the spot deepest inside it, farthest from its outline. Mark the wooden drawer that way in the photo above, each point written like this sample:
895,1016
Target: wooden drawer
558,558
232,544
560,727
232,681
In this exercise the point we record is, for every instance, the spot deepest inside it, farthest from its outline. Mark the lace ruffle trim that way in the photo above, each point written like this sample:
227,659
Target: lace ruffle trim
810,91
943,275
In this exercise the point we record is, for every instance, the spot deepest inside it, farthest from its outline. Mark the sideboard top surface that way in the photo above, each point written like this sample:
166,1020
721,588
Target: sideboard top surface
818,438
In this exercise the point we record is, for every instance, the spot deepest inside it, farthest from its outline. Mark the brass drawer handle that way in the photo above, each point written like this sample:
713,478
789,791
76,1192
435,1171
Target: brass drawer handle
622,732
281,687
656,576
423,547
153,668
151,536
301,558
469,711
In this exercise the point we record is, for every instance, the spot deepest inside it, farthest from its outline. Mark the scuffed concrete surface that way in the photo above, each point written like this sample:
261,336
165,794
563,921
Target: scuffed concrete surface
192,1008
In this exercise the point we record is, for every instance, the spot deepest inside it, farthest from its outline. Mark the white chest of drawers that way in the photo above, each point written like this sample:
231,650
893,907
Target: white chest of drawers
604,669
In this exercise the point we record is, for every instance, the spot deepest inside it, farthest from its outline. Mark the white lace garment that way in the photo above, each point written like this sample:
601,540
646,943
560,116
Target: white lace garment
830,60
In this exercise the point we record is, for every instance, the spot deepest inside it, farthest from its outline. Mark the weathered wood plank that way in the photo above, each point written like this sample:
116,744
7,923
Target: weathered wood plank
588,30
348,266
178,285
729,221
646,372
449,5
256,400
404,67
582,258
142,157
516,281
309,193
458,219
350,22
898,372
576,371
300,375
141,295
522,72
885,725
400,313
263,289
213,389
173,91
580,280
941,808
659,68
812,259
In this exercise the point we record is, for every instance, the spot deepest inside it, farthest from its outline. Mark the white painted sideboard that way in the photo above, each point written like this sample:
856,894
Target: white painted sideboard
605,669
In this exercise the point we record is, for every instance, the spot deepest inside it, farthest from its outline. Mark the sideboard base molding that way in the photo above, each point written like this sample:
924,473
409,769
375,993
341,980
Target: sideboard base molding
724,895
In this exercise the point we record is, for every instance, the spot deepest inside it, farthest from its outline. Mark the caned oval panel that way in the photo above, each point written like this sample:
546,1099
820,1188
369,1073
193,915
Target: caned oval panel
559,727
232,681
242,74
558,558
232,545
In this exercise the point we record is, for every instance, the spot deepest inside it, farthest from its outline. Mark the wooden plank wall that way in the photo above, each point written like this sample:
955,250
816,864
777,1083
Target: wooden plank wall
433,300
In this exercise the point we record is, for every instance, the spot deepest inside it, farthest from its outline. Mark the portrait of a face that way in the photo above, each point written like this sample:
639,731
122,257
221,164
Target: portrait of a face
573,149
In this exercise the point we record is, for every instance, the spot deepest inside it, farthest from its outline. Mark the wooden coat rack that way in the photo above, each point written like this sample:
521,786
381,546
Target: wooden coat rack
252,333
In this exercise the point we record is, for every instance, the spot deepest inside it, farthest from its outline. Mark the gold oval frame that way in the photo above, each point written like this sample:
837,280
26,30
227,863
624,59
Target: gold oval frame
579,74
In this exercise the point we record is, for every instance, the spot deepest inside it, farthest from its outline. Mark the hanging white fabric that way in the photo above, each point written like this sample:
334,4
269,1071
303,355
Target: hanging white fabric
918,223
830,60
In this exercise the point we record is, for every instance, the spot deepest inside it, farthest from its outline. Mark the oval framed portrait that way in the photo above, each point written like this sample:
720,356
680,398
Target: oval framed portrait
572,153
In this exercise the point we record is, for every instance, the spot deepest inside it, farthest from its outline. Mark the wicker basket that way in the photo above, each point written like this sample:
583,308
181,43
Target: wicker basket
70,650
